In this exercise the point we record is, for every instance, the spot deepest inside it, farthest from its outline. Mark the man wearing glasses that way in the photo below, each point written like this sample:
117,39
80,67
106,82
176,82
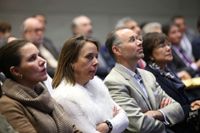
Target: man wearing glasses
148,107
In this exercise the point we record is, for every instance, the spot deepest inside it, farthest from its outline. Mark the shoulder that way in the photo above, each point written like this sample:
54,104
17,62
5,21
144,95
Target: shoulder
8,103
196,41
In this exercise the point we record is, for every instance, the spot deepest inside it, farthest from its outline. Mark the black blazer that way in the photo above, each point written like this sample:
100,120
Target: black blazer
177,65
51,48
175,89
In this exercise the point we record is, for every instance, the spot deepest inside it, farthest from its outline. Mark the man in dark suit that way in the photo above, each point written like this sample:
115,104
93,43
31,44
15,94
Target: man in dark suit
48,44
188,35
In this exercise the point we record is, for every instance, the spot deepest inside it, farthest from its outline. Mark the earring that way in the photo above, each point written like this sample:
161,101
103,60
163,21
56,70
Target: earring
72,67
152,59
20,76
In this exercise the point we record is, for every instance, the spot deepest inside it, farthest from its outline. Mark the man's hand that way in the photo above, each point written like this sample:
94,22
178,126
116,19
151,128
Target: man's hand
195,105
165,102
155,114
102,128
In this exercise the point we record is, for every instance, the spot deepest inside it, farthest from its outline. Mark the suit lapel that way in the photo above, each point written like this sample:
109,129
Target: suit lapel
149,90
133,83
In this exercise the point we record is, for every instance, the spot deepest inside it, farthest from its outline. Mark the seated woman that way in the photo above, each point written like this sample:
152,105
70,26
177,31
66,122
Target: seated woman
84,96
27,104
157,51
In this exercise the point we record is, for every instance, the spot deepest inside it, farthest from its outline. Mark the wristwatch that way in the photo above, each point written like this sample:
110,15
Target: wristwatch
109,125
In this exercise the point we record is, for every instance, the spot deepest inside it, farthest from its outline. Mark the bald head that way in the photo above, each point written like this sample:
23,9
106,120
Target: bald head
33,31
42,19
82,25
130,24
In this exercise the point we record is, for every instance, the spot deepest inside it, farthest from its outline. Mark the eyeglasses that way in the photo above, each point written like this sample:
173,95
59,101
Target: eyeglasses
139,39
136,39
162,45
36,30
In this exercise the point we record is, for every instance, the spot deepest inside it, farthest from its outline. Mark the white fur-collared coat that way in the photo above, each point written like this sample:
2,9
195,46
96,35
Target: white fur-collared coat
89,105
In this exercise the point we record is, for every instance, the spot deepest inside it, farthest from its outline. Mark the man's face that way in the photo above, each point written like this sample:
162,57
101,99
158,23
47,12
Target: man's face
181,23
34,32
132,25
84,26
131,49
42,19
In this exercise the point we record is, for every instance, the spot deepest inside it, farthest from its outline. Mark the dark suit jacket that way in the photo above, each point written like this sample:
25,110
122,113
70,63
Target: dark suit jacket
175,89
177,65
50,47
190,34
196,48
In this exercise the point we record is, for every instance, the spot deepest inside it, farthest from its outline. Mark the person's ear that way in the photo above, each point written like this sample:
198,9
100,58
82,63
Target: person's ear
76,31
14,71
116,50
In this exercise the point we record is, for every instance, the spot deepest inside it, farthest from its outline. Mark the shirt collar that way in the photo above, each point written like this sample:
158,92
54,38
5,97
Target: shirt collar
135,74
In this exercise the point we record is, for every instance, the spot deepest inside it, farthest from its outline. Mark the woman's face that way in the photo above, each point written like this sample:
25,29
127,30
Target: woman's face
174,35
32,65
162,54
86,65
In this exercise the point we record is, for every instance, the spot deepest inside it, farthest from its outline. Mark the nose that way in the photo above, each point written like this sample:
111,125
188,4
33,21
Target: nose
96,62
41,61
139,42
168,47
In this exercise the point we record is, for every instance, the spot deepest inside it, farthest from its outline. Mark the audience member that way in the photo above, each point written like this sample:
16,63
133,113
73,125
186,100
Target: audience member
5,29
188,35
132,25
196,43
152,27
27,104
33,31
48,44
148,107
180,60
83,25
157,51
47,82
84,96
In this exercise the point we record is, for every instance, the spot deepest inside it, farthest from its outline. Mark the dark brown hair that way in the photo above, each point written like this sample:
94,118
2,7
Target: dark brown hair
5,27
10,56
150,41
69,54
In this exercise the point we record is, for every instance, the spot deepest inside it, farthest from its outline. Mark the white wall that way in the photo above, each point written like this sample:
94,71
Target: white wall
103,13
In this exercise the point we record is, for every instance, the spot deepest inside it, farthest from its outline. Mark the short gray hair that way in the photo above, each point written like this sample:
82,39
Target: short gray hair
150,26
123,21
75,22
113,40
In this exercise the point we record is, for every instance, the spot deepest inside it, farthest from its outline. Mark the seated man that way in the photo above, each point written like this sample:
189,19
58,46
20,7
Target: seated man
148,107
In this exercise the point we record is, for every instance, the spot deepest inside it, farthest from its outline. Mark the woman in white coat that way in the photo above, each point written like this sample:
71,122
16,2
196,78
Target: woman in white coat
83,95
